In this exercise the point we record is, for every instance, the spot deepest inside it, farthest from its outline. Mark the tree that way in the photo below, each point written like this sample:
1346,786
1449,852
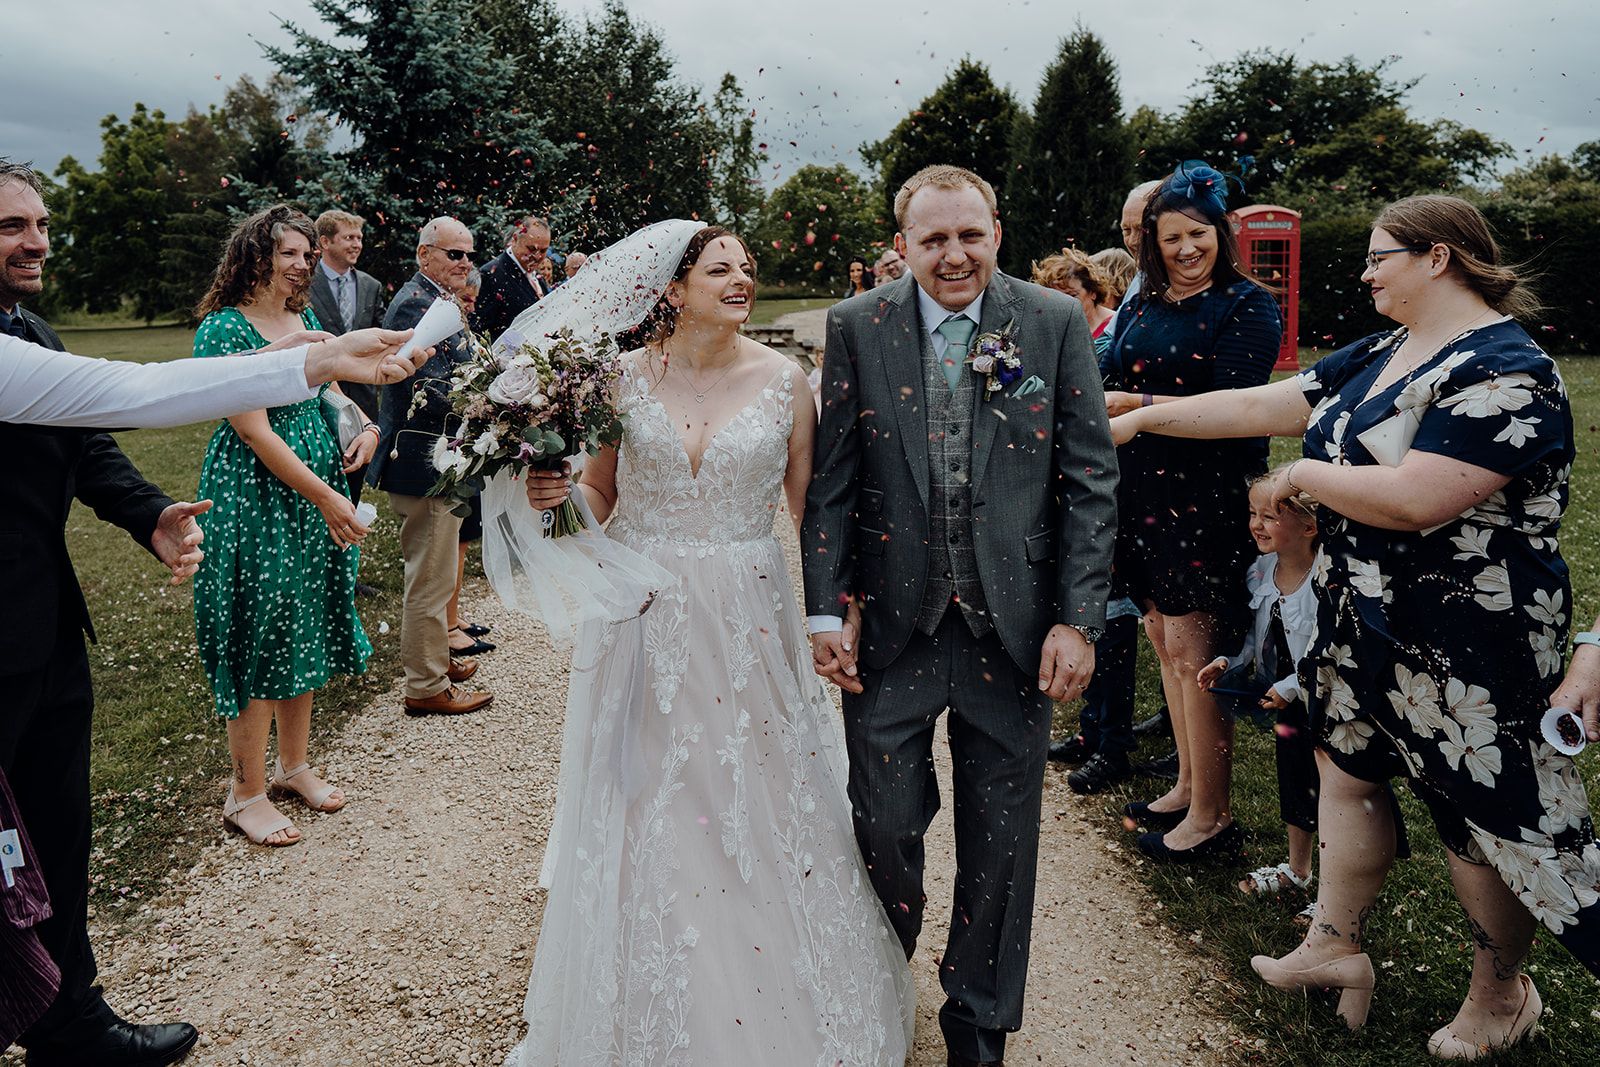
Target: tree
813,224
965,122
736,161
1071,160
434,113
1294,130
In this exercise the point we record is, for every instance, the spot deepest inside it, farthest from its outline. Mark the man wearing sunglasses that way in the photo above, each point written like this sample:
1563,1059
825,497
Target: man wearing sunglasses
412,416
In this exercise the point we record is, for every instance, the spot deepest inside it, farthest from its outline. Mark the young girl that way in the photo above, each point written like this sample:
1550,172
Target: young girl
1285,615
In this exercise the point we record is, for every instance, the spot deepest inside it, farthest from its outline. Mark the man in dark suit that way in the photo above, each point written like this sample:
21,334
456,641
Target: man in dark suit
346,299
411,416
957,537
44,667
512,282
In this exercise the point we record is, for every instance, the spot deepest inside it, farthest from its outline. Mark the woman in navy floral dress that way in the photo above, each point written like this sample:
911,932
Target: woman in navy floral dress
1440,454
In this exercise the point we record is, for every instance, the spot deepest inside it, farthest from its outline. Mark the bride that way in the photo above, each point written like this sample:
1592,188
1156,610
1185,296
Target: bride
707,903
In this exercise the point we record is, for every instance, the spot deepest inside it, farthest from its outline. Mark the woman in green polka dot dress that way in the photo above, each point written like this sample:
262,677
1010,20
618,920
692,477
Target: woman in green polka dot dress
274,600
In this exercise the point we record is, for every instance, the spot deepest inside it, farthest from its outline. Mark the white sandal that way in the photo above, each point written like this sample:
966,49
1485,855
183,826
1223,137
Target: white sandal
1272,881
235,807
317,800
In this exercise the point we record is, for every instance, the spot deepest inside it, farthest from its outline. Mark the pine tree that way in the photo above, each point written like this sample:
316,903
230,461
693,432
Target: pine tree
1071,160
964,122
434,114
736,162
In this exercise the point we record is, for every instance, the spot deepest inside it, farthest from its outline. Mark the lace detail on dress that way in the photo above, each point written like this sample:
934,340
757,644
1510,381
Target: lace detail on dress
707,901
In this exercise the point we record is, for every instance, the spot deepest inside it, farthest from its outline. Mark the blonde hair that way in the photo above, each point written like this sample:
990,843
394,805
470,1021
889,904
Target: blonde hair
1119,269
330,222
1054,272
1300,505
941,176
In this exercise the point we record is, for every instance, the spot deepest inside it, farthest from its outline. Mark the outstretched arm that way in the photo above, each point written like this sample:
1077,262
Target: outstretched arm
1275,410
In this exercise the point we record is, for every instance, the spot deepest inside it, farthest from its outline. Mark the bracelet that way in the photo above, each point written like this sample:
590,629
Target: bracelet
374,428
1145,400
1288,476
1587,637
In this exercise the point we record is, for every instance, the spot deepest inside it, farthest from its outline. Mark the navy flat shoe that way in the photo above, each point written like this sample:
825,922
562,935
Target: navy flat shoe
1139,811
1225,842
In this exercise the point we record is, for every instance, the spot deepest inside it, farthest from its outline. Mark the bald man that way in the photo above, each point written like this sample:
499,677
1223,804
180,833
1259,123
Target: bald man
429,530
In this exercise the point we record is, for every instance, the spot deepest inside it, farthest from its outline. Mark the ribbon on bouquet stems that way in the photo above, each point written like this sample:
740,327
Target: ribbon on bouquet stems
561,581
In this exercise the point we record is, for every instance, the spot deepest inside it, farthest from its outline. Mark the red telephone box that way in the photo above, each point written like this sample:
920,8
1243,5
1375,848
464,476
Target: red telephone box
1269,241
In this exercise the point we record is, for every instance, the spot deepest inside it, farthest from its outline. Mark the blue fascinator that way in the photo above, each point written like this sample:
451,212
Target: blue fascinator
1202,185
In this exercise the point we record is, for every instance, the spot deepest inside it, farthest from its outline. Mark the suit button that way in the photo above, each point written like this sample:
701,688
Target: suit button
955,468
955,431
955,502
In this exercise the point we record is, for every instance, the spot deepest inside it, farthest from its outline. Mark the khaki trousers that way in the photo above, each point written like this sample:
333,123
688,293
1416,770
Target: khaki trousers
429,534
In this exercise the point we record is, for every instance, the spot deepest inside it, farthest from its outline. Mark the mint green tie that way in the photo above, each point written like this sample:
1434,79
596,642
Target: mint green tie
957,330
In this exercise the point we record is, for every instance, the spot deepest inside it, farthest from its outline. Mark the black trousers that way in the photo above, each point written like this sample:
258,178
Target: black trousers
1298,781
999,735
44,748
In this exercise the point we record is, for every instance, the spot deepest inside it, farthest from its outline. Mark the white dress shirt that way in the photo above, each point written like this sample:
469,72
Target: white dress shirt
344,290
42,387
933,316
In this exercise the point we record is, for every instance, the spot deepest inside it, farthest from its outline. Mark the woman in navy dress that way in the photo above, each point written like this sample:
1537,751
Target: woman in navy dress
1198,324
1440,454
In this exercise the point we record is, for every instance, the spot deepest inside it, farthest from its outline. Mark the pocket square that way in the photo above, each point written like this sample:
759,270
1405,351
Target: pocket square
1033,384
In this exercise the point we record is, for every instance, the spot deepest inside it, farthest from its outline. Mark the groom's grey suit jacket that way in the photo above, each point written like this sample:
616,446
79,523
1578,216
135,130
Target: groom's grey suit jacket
1043,473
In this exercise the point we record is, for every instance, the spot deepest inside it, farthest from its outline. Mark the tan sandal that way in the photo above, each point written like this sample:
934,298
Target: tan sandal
259,834
314,797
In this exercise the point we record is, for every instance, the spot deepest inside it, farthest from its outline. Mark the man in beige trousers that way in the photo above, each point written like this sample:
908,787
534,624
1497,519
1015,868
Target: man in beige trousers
412,415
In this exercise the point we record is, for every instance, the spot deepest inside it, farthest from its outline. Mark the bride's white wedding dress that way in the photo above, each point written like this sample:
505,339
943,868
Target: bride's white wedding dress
707,903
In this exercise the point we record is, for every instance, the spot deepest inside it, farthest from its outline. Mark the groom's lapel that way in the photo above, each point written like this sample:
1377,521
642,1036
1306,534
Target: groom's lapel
1000,302
899,335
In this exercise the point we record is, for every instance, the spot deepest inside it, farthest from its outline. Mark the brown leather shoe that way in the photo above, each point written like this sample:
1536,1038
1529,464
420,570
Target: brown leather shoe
451,701
460,669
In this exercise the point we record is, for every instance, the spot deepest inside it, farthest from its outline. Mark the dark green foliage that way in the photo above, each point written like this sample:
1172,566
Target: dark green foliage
432,109
736,163
813,224
1071,159
966,122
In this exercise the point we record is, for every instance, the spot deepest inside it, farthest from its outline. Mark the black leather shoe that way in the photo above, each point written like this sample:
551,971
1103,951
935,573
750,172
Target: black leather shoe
1139,811
1224,843
1159,723
1073,750
477,648
961,1061
475,629
1100,772
363,589
1162,767
121,1045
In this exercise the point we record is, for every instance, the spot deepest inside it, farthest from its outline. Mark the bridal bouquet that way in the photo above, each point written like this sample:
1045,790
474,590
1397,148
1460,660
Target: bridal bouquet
529,406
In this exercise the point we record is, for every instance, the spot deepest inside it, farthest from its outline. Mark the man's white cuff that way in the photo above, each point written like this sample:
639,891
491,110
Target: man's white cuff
824,624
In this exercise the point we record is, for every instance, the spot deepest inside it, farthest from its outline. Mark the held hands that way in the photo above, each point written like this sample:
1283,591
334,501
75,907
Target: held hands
176,540
549,489
1211,672
833,655
340,515
1065,664
1580,689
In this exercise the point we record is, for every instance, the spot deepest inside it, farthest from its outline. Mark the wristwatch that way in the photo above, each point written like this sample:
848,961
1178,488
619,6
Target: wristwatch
1091,634
1588,637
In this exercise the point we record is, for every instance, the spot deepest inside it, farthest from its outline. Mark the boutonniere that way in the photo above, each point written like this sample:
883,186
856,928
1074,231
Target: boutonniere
994,355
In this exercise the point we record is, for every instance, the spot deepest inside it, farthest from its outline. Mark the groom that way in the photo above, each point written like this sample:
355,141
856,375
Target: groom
957,545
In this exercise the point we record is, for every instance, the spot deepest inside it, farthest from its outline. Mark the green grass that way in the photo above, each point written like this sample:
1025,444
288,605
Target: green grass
767,309
1418,938
160,754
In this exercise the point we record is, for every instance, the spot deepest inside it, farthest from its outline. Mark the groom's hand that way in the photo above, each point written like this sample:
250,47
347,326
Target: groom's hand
1066,664
833,655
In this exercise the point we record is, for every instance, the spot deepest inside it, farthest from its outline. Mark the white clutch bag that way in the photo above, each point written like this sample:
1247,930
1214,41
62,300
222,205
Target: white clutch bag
1390,440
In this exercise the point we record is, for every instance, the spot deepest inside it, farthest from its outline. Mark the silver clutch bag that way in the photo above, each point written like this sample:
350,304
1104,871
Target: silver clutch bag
344,418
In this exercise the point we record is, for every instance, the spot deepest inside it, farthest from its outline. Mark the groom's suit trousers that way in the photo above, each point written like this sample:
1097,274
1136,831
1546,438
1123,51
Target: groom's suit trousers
999,730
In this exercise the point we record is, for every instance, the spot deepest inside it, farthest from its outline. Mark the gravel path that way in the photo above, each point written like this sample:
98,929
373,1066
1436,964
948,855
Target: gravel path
401,929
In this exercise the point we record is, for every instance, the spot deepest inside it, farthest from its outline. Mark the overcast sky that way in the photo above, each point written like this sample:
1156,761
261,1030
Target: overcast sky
830,74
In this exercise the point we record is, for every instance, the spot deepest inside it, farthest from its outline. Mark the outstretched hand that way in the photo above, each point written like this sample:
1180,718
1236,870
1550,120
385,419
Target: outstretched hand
371,356
1066,663
1211,672
1580,689
833,655
177,537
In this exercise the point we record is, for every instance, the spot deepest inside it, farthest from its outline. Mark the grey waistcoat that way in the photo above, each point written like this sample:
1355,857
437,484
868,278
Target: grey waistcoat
952,565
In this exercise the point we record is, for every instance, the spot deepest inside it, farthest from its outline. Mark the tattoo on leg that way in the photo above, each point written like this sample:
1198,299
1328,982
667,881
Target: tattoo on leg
238,769
1503,971
1329,930
1361,923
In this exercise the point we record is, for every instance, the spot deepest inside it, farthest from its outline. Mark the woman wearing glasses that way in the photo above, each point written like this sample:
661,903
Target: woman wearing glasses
1440,454
274,599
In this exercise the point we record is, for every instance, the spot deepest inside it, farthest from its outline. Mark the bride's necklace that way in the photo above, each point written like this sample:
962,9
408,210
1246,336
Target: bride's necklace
1412,366
701,394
